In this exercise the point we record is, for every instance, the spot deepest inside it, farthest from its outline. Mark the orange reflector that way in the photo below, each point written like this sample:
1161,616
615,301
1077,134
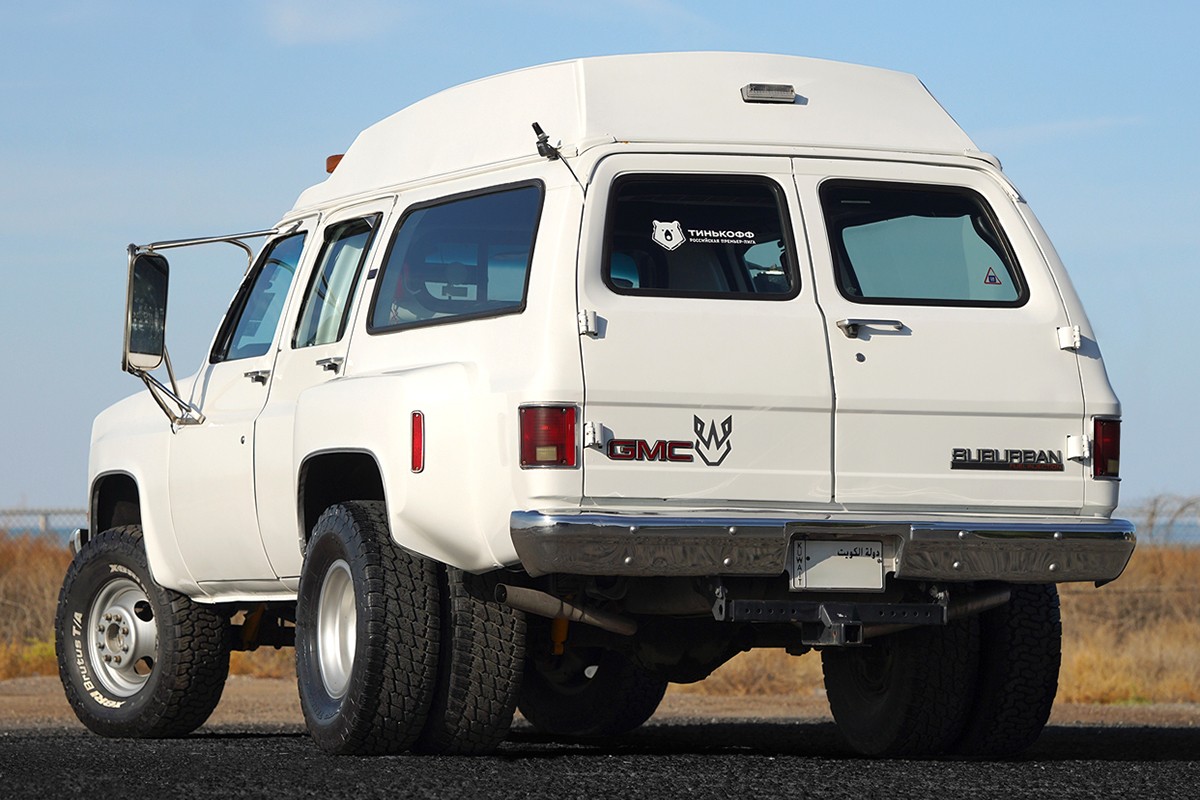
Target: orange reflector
332,161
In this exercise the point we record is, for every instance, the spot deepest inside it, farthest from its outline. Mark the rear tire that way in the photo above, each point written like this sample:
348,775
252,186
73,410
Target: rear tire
907,694
1020,656
367,634
588,692
479,674
136,660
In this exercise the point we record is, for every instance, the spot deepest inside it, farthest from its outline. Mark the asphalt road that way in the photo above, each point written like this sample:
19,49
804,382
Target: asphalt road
675,757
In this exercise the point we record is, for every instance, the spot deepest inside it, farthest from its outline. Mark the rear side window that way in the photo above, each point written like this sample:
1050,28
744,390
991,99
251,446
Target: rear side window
461,259
918,245
683,236
327,301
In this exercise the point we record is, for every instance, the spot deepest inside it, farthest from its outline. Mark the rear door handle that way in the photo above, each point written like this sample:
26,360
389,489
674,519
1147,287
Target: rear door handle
332,364
850,326
258,376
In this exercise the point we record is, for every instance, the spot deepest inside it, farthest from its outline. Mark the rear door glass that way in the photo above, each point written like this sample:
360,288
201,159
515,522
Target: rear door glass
684,236
919,245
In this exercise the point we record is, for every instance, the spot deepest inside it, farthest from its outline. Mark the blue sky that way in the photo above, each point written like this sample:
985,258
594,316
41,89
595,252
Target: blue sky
148,120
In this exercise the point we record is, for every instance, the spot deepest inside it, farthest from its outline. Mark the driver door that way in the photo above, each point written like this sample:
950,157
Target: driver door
211,483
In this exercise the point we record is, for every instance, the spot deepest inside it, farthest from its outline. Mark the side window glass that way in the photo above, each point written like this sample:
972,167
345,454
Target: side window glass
918,245
460,259
326,307
682,236
252,325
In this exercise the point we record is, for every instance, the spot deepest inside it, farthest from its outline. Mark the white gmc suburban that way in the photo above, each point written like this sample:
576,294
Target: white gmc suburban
579,380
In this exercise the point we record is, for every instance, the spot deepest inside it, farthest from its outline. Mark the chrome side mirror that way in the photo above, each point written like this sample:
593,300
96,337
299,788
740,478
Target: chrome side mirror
145,312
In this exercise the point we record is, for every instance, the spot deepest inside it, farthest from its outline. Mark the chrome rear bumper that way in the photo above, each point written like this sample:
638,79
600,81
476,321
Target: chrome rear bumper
961,550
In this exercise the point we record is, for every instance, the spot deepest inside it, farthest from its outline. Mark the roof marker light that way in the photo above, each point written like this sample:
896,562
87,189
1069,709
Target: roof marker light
331,162
769,93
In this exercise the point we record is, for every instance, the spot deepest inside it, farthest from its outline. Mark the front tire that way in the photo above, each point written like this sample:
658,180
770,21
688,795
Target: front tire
136,660
907,694
367,634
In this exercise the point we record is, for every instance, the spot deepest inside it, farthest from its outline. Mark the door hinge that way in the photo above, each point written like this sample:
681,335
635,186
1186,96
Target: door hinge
1078,447
593,435
1069,338
589,325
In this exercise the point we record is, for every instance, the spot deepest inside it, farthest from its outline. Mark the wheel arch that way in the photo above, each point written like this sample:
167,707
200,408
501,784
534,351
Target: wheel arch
335,476
115,501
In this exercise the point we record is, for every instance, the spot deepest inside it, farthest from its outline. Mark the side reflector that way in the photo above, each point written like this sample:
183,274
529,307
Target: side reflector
331,162
548,436
769,93
418,441
1106,455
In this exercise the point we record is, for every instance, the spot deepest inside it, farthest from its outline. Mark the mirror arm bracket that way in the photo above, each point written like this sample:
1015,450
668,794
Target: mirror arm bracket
185,415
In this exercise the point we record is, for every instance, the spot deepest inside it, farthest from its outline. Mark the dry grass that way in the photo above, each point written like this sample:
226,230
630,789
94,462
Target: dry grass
1135,640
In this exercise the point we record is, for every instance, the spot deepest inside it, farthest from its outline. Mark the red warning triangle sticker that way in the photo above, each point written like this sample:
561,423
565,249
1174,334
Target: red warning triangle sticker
991,279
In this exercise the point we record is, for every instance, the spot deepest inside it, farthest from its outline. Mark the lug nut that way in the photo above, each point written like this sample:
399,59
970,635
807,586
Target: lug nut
124,630
124,648
108,617
116,659
100,645
108,659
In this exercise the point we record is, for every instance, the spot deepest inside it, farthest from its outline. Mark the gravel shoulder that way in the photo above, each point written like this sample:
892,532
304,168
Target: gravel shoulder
28,704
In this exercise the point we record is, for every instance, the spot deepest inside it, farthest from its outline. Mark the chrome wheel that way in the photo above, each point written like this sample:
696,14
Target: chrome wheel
337,621
122,637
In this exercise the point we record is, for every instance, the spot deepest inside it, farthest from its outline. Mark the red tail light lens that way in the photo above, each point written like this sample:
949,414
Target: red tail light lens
548,436
418,441
1106,458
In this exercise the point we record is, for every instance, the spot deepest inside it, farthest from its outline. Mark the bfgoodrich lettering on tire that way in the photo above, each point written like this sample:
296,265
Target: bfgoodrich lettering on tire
367,634
136,660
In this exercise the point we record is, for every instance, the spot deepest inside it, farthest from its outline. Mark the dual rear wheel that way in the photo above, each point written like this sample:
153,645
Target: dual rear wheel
392,652
978,687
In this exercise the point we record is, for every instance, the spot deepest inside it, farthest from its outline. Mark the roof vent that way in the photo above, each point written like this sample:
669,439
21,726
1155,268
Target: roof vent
769,93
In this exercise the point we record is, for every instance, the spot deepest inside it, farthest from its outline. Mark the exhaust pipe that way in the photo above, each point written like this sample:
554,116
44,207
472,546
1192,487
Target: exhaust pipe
533,601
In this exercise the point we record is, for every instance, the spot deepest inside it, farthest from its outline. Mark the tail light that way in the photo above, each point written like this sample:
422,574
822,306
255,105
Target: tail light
1106,456
548,436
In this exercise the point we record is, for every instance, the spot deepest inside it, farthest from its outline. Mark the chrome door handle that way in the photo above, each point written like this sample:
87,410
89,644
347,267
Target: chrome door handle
258,375
850,326
332,364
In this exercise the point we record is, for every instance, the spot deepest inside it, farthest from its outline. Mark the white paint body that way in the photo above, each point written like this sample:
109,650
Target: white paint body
825,425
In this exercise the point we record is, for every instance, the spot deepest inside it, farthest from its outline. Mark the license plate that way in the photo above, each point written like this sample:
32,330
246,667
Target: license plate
834,565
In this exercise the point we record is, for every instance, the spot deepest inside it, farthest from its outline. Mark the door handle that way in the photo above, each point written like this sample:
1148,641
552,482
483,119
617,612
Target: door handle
850,326
332,364
258,376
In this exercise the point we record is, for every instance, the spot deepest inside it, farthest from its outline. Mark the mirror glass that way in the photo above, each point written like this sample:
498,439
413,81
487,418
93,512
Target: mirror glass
146,315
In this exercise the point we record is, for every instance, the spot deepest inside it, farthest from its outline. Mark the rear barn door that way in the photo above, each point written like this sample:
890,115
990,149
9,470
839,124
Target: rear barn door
952,389
707,376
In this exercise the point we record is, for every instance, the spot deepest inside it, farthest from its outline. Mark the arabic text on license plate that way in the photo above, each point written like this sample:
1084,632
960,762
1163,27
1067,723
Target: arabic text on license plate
839,564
